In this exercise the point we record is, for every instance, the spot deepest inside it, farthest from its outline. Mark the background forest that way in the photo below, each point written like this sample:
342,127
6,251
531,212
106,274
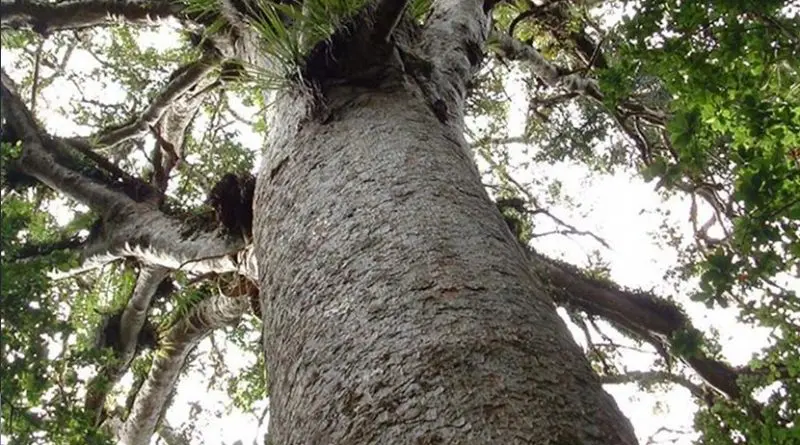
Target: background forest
650,149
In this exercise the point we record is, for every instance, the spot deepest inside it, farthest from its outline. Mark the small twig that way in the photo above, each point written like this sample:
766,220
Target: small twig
613,345
552,100
161,166
36,67
241,118
652,439
532,200
654,377
572,229
607,367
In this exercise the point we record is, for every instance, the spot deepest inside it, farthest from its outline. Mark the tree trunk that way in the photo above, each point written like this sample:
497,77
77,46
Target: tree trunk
397,305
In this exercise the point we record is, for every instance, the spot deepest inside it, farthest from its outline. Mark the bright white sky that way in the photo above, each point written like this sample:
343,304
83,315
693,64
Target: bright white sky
620,208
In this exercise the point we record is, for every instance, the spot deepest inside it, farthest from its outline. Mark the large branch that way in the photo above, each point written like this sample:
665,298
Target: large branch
184,79
133,319
453,40
212,313
548,72
556,77
37,158
45,17
643,315
129,228
171,111
156,239
170,134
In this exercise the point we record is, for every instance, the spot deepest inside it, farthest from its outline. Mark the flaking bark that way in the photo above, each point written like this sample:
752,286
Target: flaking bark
412,304
397,305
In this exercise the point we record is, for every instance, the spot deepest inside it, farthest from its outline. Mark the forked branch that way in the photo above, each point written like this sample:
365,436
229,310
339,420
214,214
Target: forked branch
212,313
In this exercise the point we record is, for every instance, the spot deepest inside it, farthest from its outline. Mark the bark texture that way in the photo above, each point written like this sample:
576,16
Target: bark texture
212,313
397,305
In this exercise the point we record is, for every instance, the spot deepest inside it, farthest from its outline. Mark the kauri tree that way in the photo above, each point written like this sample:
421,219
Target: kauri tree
330,189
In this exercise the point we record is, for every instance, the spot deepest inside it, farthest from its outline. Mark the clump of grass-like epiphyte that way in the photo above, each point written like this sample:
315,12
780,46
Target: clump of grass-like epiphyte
419,9
291,32
301,42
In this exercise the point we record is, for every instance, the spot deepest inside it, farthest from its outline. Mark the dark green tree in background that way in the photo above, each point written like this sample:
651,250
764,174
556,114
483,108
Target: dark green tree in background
364,266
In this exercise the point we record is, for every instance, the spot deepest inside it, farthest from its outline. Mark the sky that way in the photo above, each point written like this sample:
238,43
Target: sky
620,208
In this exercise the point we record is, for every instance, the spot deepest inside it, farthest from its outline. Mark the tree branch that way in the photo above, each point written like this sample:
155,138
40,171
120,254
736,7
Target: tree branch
37,63
133,319
456,56
170,133
556,77
170,435
628,114
45,17
184,79
32,250
37,159
156,239
512,49
211,313
568,228
643,315
650,377
130,228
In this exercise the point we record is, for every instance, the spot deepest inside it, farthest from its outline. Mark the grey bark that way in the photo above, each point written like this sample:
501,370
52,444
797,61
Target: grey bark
156,239
133,319
212,313
46,17
398,308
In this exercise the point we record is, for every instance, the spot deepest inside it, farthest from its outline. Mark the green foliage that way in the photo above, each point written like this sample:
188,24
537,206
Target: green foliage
735,111
119,64
41,402
419,9
183,302
729,422
732,74
686,342
718,84
49,327
249,385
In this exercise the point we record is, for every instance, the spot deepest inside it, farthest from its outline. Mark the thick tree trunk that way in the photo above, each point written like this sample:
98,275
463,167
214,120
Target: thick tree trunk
397,305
